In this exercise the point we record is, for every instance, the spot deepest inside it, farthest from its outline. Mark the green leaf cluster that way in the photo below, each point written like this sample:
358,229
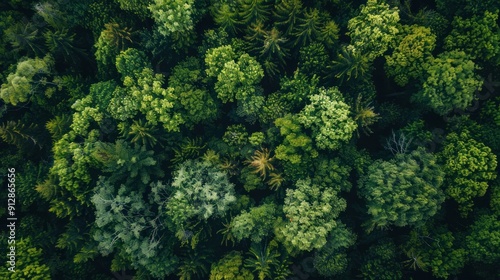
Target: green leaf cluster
469,165
405,190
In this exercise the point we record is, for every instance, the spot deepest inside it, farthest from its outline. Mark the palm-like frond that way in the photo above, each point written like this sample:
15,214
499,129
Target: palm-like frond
261,162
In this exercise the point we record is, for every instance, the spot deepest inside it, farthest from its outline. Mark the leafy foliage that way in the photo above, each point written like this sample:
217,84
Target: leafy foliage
127,162
328,117
201,191
450,82
477,36
255,224
296,144
415,47
29,263
23,83
469,165
124,221
380,261
311,212
374,29
437,251
403,191
230,267
172,16
483,242
143,134
331,259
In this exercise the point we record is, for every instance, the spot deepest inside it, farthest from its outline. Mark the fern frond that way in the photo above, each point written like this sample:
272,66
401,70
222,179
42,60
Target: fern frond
15,133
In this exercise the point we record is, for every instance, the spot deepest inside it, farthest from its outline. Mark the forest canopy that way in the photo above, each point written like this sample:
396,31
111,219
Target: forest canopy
250,139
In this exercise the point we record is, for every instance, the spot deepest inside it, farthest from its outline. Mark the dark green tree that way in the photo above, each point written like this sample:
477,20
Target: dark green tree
405,190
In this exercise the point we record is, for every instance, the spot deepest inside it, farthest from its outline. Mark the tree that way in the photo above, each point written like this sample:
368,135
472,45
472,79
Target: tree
331,173
308,27
329,119
331,259
143,92
230,267
374,29
226,17
267,261
23,36
261,162
200,191
296,145
468,165
450,82
351,63
253,11
287,13
255,224
437,251
70,177
197,103
91,109
16,133
313,59
483,242
112,40
29,262
24,82
173,16
478,36
138,7
126,223
380,261
405,190
408,59
125,162
237,79
295,90
311,211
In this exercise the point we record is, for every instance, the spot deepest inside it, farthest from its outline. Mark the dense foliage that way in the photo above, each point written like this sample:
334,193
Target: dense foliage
250,139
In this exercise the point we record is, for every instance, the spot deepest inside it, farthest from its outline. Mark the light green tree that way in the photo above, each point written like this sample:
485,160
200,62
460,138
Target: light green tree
311,214
478,36
237,79
30,74
374,30
230,267
450,82
29,262
329,118
143,92
469,166
256,223
407,61
173,16
297,144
